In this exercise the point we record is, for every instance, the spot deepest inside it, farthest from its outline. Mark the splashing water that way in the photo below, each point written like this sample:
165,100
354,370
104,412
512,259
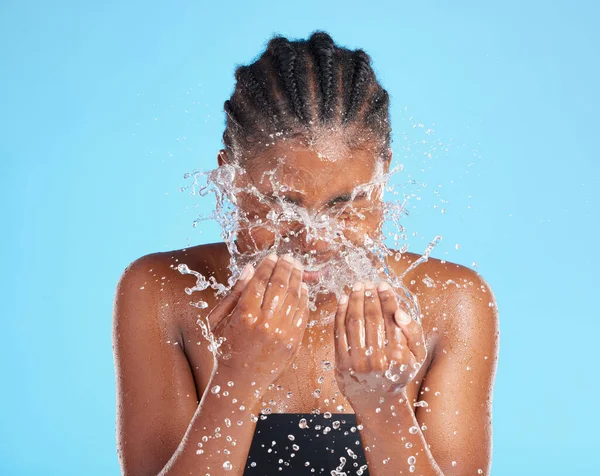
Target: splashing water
348,264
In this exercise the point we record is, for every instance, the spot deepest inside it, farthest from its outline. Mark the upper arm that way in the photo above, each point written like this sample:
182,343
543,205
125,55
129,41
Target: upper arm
156,395
459,417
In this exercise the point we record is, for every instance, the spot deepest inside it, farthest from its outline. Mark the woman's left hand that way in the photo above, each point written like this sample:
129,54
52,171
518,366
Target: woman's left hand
379,347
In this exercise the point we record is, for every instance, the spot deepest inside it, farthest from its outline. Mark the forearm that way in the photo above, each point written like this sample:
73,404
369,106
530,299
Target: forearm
394,443
220,432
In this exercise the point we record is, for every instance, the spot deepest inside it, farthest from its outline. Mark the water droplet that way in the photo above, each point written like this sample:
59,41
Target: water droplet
227,466
413,430
215,389
361,470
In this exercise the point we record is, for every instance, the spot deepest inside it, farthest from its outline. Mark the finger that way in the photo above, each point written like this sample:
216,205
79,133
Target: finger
277,288
292,297
355,327
229,302
412,331
252,295
301,314
393,332
339,333
388,300
374,327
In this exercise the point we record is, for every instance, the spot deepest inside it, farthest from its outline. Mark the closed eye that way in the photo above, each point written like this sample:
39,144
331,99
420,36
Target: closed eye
283,198
346,198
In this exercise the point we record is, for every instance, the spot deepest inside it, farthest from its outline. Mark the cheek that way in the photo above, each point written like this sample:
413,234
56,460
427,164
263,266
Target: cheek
355,229
258,232
255,238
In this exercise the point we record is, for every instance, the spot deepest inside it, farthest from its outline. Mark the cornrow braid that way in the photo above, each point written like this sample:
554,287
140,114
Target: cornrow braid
254,87
292,75
361,79
296,88
323,49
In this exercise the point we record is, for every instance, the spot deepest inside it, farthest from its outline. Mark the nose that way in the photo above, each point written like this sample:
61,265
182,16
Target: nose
300,242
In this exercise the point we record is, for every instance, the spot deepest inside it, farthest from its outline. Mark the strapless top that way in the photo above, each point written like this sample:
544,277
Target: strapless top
306,444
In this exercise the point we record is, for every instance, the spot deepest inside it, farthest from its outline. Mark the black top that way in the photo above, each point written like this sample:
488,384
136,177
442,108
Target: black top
306,444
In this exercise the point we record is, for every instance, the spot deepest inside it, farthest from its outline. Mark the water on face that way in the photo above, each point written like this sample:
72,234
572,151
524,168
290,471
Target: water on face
350,262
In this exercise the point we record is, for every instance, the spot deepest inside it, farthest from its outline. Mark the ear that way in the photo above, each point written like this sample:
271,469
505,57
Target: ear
222,157
388,161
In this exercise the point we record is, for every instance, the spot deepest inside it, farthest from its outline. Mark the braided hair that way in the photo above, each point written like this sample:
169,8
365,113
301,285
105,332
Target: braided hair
302,88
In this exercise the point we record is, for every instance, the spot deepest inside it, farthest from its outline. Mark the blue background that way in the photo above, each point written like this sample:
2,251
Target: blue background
105,105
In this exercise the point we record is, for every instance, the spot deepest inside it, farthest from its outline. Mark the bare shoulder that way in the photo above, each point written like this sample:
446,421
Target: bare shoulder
457,304
203,258
155,280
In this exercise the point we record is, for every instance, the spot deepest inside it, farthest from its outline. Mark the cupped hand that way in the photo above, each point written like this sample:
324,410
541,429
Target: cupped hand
262,321
379,347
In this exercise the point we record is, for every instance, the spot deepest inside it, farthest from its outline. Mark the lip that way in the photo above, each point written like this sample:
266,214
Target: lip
313,276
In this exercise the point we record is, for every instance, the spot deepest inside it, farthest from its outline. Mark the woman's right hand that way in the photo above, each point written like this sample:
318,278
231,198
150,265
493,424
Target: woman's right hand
262,329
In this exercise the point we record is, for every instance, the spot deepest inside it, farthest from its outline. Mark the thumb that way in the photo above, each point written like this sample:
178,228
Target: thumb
230,301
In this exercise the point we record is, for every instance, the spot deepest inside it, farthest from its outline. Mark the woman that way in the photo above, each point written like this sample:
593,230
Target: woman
297,364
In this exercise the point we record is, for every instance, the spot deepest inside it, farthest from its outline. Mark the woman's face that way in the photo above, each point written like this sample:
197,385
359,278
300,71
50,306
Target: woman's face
308,201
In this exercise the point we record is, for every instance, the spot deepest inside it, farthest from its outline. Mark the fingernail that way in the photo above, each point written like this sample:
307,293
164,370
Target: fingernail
358,286
383,286
369,285
297,264
288,257
304,285
402,317
247,272
273,257
344,299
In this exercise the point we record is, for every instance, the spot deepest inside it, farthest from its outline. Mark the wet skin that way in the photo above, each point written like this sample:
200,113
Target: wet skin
164,366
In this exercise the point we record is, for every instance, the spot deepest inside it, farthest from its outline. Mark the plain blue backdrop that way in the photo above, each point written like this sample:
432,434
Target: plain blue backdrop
104,106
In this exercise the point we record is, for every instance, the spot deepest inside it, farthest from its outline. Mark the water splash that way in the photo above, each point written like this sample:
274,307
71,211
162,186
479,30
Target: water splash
348,263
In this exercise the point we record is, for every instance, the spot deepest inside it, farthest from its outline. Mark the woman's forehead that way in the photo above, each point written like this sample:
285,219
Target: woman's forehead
309,169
